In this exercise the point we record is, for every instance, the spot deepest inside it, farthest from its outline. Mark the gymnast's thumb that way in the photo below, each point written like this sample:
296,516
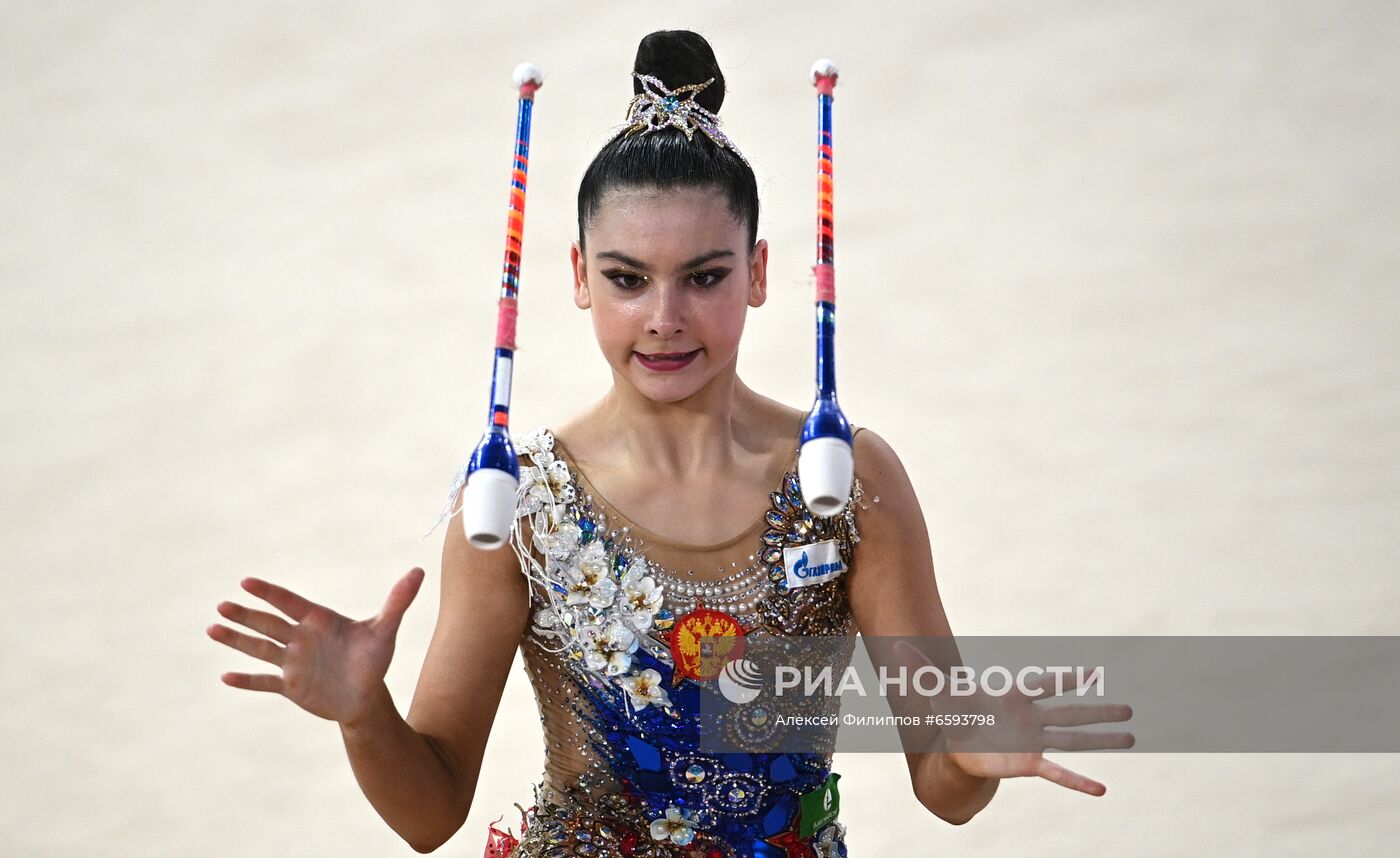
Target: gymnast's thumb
400,597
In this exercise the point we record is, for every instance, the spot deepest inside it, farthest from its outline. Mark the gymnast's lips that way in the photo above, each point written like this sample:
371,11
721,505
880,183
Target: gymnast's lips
666,360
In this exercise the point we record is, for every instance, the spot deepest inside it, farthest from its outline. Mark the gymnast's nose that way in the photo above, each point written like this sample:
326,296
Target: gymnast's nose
664,322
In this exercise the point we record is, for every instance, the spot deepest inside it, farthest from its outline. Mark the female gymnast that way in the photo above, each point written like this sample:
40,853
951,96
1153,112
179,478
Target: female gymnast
668,510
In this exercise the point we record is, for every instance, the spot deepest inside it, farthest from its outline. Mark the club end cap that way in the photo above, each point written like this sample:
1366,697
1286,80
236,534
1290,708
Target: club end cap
528,73
823,68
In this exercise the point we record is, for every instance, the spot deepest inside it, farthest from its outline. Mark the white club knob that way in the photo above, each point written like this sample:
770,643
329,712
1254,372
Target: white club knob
528,73
823,68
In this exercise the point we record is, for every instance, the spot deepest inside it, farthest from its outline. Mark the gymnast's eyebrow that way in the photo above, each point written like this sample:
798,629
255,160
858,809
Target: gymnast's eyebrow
690,263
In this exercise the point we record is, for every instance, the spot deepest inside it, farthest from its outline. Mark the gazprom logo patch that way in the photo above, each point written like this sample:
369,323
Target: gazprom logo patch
812,564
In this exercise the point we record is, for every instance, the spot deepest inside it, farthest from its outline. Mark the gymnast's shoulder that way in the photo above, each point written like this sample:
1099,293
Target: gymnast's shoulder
882,474
891,582
874,459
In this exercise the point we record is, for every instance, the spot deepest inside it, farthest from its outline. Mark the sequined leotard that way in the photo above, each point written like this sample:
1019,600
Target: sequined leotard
624,772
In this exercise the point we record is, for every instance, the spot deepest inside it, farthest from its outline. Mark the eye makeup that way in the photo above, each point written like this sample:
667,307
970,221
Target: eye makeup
635,281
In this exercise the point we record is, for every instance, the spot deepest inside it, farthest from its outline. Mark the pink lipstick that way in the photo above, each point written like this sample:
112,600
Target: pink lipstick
666,361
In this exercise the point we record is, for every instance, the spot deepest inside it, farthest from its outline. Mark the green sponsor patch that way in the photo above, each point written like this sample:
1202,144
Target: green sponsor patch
819,806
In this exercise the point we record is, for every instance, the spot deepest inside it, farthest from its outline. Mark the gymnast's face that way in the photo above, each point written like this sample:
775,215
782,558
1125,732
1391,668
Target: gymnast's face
669,271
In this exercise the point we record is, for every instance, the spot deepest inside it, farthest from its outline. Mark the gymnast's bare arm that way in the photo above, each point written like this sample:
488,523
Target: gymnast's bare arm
420,773
893,592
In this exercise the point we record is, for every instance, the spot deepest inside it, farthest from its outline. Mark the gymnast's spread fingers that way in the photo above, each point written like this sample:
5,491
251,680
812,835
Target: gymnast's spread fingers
256,647
259,621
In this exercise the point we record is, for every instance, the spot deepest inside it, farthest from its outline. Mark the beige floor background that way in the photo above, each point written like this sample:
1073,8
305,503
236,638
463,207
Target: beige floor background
1118,284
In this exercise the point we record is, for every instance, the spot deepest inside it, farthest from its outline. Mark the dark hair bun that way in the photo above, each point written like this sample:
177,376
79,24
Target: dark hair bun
680,57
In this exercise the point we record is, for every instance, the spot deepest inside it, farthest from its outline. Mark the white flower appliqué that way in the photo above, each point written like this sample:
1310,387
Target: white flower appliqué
677,826
545,484
645,688
590,578
608,649
641,595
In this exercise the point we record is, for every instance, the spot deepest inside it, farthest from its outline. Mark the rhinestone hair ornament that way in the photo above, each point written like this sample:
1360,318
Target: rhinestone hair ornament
657,107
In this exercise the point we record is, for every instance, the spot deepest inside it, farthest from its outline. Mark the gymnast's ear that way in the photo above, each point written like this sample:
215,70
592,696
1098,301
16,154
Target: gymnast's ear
578,262
758,273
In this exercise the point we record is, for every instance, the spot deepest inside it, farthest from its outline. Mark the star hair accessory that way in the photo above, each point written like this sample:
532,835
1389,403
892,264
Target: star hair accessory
657,107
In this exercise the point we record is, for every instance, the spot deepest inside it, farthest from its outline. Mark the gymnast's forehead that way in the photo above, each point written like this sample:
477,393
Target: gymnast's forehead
674,216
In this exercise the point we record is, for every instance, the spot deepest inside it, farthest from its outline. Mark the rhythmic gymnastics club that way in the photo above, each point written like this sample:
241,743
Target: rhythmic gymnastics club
825,462
493,475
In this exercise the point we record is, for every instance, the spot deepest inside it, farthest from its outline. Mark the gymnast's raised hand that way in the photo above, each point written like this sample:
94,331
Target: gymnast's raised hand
332,666
1015,746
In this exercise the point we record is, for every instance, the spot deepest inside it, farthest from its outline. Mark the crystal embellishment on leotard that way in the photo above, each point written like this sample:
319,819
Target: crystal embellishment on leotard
831,841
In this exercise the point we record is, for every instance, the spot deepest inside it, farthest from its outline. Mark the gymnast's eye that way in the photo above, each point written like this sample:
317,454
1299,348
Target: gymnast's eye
625,279
710,278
